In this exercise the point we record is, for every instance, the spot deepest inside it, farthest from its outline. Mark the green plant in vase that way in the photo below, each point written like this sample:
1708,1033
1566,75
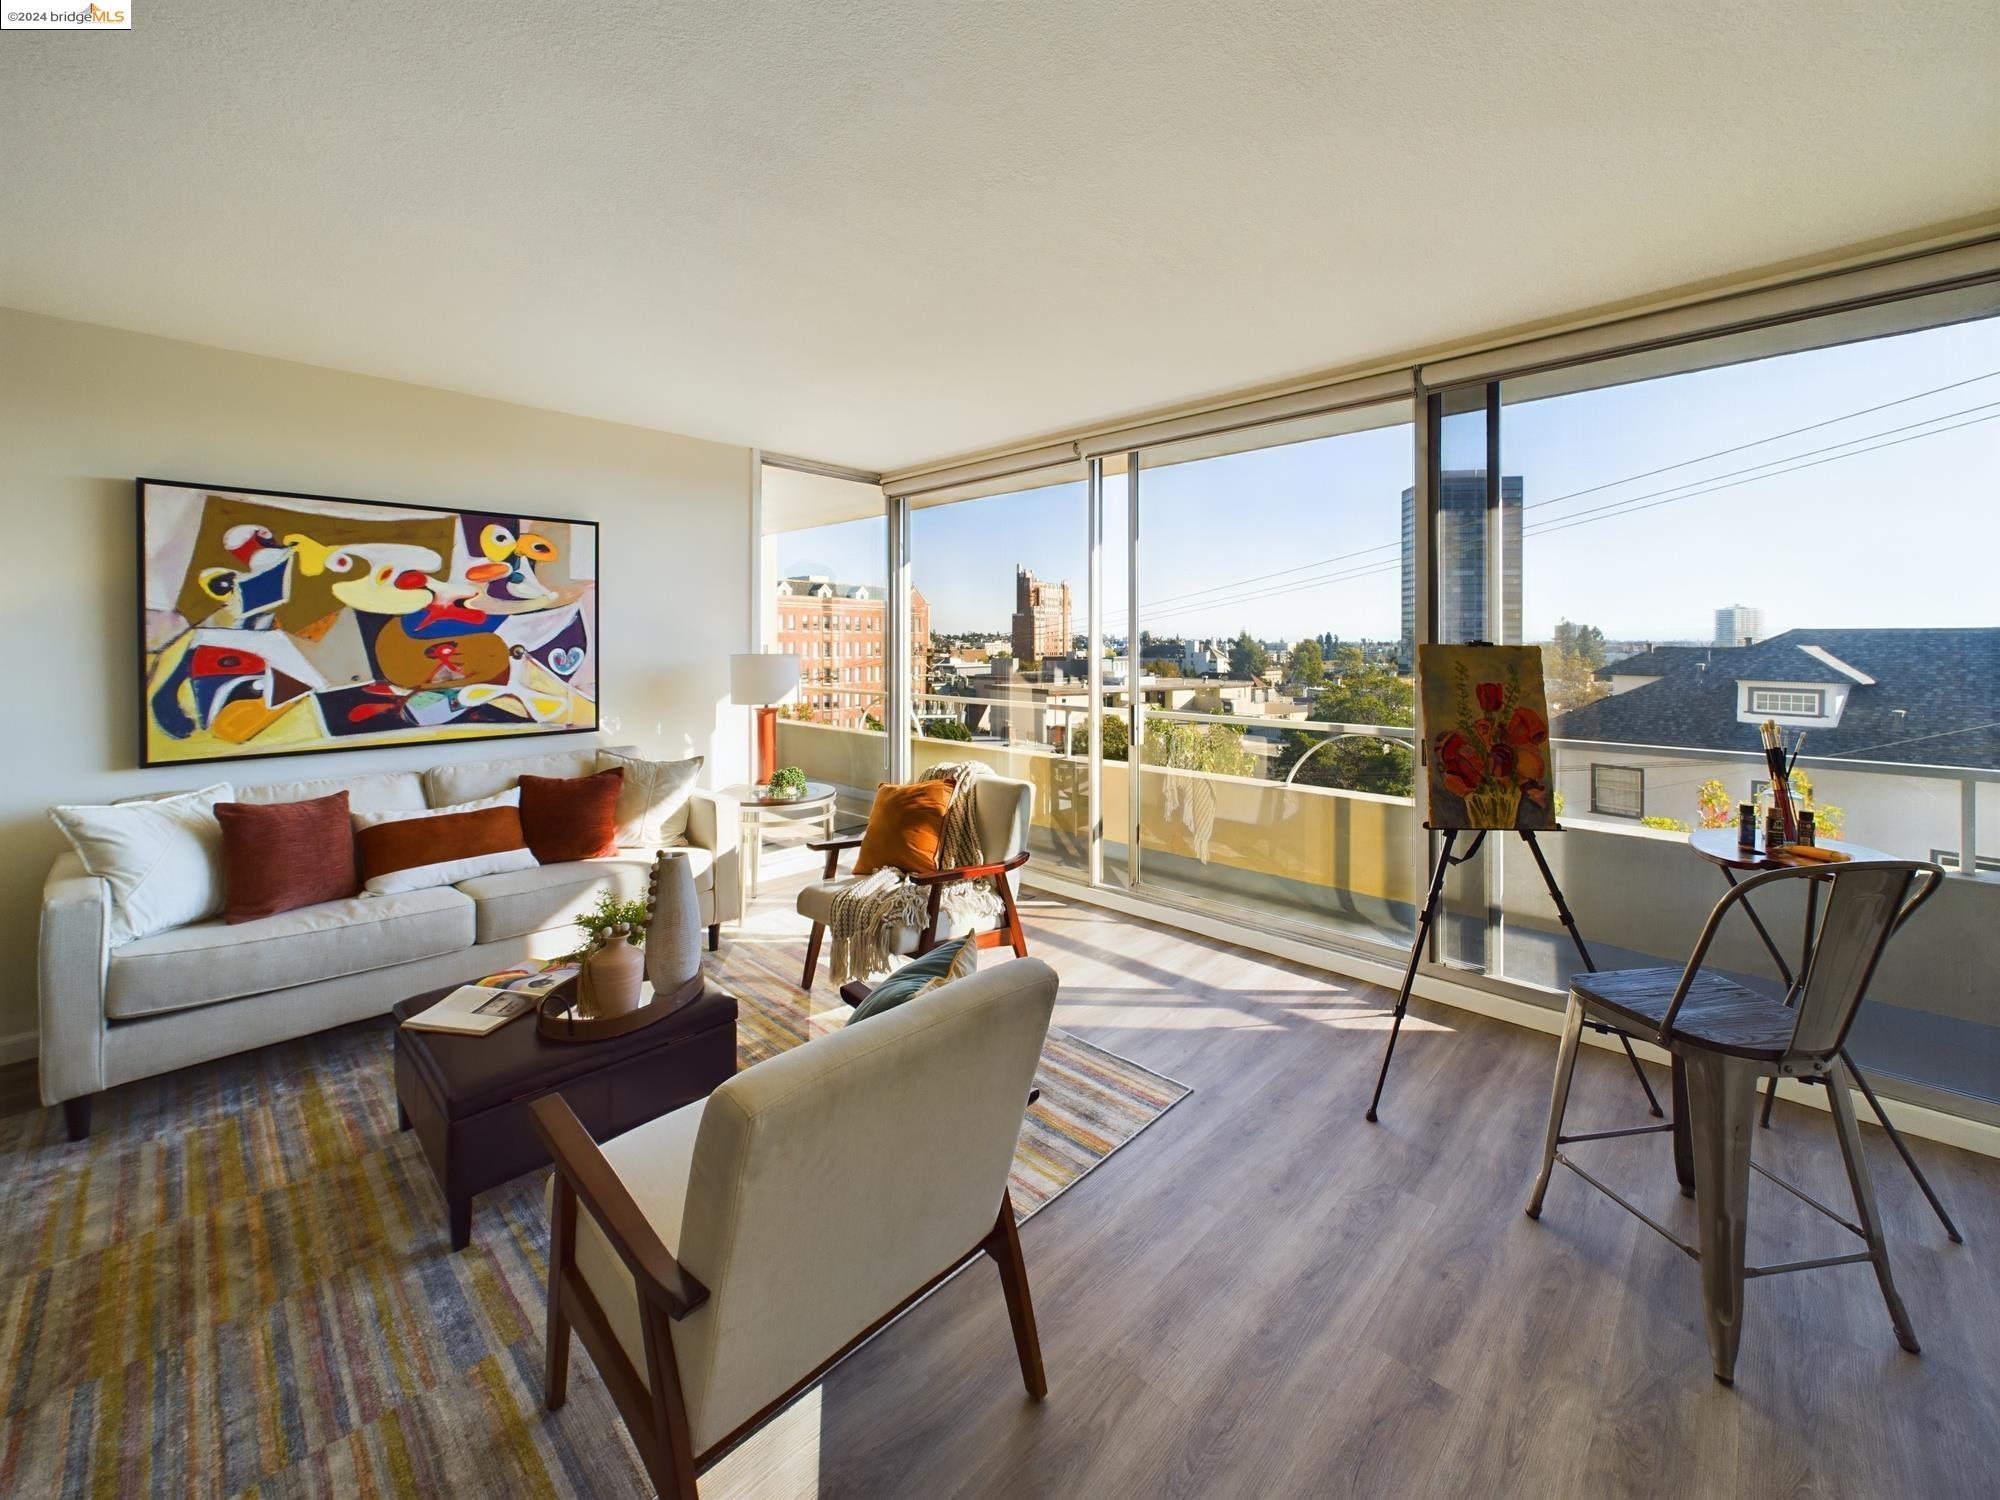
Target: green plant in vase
788,783
612,921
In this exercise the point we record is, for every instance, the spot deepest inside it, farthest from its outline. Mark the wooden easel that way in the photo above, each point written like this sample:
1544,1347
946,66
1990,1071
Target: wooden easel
1446,860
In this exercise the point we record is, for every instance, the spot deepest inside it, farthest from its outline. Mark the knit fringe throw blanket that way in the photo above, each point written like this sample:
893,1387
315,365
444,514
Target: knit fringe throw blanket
874,908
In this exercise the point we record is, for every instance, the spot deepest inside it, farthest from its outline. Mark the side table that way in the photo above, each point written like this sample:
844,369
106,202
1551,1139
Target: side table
762,813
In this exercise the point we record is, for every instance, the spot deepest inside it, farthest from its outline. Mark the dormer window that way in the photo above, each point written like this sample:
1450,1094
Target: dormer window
1794,703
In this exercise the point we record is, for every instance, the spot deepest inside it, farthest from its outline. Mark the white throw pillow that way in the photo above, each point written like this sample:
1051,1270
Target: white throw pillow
459,844
162,858
653,798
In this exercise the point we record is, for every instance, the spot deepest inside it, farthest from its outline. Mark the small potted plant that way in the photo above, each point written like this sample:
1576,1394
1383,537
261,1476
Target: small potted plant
612,965
788,784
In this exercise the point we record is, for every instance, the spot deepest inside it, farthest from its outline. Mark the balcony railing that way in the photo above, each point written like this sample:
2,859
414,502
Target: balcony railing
1223,828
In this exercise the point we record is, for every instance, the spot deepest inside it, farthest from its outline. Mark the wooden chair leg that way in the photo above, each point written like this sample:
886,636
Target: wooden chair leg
562,1249
1559,1100
1004,1245
670,1464
812,954
1016,938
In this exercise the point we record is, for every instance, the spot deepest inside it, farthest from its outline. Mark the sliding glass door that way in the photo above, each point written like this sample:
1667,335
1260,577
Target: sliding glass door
1270,671
1777,525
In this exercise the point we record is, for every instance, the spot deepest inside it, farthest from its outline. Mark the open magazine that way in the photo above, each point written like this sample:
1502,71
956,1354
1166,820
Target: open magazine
490,1003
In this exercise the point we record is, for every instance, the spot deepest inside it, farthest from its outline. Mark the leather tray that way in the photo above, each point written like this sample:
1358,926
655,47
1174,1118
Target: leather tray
559,1018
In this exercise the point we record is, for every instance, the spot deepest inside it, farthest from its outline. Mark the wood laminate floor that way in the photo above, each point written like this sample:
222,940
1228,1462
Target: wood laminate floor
1265,1296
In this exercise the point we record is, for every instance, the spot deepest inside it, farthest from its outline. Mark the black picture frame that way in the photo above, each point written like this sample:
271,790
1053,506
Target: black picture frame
416,738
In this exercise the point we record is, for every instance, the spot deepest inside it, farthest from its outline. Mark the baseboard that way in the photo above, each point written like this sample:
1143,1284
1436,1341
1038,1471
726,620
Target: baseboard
1912,1119
20,1047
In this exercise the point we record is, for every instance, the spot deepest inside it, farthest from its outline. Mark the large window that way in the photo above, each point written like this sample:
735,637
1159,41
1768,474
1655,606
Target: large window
829,604
1766,526
1272,671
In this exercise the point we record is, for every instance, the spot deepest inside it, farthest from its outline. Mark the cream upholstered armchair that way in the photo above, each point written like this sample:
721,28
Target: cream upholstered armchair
1003,808
675,1249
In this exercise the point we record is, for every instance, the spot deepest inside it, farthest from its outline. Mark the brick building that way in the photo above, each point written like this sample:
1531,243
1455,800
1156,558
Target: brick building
839,632
1041,617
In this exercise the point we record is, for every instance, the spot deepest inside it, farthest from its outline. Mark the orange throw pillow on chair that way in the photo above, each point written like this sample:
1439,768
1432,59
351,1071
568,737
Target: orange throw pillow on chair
905,828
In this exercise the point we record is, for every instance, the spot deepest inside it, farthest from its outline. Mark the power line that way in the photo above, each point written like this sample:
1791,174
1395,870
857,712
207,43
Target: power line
1630,506
1633,478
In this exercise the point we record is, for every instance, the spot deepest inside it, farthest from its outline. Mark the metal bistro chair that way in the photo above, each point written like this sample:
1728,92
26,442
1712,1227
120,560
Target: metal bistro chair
1724,1040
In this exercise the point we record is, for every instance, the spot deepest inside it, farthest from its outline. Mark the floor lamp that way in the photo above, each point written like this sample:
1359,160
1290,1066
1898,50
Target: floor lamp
762,680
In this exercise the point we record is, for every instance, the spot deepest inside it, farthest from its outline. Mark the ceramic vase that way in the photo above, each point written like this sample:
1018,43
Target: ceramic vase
612,975
673,929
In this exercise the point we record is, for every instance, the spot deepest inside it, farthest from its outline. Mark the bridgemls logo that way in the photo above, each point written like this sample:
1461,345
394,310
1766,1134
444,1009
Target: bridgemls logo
16,17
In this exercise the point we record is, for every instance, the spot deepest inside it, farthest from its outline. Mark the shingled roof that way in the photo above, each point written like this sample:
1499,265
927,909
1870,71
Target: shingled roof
1934,697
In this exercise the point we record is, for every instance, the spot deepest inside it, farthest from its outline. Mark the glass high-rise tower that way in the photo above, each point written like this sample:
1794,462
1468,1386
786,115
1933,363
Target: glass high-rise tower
1463,571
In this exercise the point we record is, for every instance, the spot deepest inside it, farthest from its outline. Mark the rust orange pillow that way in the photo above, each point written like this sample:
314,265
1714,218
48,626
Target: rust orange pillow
278,856
571,817
905,828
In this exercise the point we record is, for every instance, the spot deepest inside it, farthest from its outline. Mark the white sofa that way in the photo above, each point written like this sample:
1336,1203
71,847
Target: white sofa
110,1015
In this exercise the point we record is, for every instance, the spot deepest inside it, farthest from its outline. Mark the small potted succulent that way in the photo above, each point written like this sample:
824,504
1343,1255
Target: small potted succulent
788,784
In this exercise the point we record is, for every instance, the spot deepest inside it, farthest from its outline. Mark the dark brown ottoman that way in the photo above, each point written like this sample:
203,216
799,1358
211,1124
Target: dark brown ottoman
467,1097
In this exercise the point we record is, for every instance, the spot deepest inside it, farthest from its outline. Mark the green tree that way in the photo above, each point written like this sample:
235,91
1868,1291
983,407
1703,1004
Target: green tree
1247,658
1215,749
1571,680
1365,693
1308,666
1117,738
946,729
1583,641
1165,669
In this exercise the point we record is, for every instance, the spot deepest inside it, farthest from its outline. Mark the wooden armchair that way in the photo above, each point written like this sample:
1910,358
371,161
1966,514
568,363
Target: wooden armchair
1004,809
675,1249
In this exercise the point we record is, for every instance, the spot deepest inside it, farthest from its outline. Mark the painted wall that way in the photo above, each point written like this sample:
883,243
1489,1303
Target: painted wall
84,410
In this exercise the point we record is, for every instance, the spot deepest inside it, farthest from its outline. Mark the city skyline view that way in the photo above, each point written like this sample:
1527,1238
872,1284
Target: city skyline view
1647,504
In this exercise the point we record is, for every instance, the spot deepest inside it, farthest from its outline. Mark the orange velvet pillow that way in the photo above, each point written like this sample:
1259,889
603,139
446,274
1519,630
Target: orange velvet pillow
905,828
571,817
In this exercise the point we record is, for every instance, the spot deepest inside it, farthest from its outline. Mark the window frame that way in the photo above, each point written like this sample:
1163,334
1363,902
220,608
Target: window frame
1596,806
1753,693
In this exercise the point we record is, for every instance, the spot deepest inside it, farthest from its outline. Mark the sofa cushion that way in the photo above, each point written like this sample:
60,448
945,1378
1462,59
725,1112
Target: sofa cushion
213,961
404,851
535,900
284,855
473,780
382,791
570,817
161,856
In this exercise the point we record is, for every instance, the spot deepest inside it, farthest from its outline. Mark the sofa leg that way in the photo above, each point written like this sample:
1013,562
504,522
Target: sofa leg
812,954
714,937
76,1113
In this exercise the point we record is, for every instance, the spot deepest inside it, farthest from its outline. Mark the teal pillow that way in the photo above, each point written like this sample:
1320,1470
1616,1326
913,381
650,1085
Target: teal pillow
947,961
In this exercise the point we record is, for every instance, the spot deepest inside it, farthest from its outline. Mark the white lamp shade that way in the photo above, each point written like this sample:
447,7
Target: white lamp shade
761,678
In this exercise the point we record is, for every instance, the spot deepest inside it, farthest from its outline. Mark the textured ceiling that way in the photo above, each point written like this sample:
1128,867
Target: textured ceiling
882,233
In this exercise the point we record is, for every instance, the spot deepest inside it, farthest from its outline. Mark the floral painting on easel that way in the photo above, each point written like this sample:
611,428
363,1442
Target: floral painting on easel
1486,734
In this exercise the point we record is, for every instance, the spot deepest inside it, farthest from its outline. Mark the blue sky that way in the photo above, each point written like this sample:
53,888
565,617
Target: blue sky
1814,528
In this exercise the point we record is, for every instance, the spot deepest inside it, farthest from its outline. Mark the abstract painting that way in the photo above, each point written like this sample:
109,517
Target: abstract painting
1486,726
281,624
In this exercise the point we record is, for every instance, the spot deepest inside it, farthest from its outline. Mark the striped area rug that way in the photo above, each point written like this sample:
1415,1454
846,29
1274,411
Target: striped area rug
240,1284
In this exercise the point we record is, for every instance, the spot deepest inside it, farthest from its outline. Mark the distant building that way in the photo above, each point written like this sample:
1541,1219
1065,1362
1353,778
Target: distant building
1462,570
1738,625
1041,617
839,633
1204,659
